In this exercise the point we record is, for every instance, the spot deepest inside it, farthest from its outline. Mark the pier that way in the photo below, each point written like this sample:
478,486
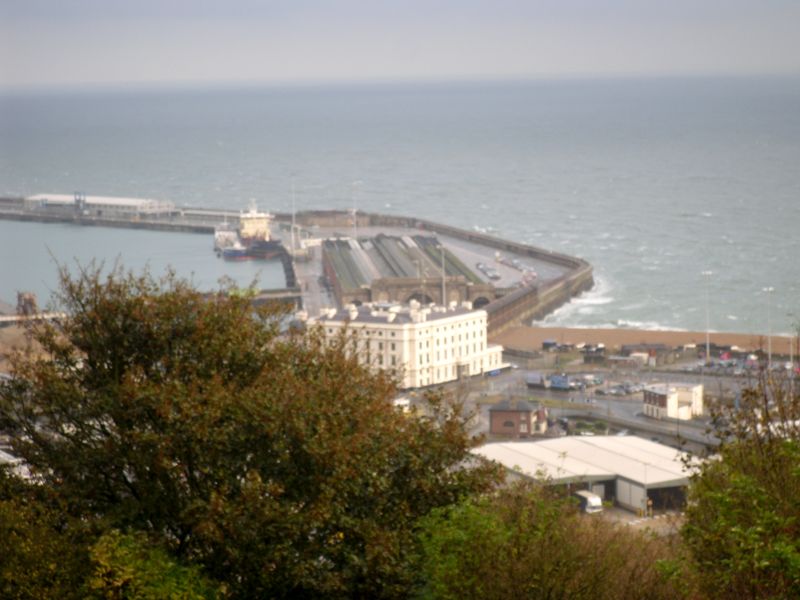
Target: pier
335,257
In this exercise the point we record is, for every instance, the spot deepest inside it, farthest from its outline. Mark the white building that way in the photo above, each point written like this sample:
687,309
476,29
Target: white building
427,345
628,469
673,401
99,206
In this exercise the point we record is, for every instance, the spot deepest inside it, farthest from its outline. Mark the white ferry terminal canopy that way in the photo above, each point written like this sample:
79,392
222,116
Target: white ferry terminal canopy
587,459
110,203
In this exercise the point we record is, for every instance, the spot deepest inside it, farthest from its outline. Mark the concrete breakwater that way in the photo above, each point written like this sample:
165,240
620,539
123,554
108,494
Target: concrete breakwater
515,307
511,307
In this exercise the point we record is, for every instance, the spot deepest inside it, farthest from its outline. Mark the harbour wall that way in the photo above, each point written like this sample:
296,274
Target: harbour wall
515,308
512,309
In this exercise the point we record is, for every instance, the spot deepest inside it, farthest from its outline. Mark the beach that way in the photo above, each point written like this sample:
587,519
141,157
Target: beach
531,338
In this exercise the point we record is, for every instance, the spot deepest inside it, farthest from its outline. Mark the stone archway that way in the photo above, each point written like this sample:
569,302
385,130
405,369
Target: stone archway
420,297
480,302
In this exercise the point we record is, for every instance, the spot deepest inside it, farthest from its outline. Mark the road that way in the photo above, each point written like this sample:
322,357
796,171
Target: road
624,412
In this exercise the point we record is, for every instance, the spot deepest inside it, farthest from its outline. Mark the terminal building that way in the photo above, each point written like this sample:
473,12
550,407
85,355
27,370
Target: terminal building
632,472
673,401
426,345
98,206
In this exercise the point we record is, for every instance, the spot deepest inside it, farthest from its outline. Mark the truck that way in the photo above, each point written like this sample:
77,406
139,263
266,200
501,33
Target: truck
560,382
589,501
537,380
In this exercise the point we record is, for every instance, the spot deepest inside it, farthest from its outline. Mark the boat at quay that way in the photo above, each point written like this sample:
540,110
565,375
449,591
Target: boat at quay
251,240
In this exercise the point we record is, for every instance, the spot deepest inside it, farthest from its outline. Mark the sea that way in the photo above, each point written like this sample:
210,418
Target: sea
655,181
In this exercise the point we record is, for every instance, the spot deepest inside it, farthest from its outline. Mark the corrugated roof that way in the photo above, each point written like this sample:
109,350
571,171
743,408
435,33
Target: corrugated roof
593,458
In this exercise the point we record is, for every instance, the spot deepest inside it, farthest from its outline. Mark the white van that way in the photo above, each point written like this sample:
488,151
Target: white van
590,502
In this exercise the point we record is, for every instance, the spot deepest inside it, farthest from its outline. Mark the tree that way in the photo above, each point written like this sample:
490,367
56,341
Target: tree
127,566
274,461
43,551
743,519
527,542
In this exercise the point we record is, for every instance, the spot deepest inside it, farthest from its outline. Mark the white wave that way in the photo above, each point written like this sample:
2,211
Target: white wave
570,315
593,300
646,325
733,317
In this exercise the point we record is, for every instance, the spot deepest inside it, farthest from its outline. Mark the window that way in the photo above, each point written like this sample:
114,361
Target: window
394,360
380,345
508,424
392,344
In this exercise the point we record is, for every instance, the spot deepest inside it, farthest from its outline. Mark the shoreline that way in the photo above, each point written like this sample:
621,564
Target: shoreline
531,338
528,338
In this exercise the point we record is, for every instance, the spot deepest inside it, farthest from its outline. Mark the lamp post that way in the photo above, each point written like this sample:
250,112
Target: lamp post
707,275
444,294
354,188
768,291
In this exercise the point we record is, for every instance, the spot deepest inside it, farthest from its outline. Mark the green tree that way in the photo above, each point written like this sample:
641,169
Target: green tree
743,519
274,461
527,542
43,551
127,566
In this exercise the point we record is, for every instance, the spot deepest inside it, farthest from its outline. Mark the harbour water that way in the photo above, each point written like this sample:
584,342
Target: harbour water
652,181
30,255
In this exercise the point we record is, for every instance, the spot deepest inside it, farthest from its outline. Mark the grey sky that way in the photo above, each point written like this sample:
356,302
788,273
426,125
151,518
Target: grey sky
113,41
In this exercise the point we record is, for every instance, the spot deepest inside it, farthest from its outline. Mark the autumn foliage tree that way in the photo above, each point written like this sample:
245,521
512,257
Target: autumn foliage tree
271,460
529,541
743,517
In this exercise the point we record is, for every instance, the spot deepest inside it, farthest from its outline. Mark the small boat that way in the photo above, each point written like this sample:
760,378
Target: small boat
225,236
236,252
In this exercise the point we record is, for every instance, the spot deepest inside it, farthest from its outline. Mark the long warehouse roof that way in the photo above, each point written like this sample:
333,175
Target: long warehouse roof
596,458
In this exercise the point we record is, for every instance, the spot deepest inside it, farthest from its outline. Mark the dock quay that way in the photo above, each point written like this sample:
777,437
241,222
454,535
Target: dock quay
333,258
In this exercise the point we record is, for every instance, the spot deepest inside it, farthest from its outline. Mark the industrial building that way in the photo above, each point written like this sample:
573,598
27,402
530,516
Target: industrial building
426,345
627,470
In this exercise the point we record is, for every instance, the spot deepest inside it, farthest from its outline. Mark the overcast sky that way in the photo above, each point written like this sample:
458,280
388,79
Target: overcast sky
47,42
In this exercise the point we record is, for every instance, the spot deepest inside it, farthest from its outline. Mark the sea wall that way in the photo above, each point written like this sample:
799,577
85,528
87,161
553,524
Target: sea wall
517,307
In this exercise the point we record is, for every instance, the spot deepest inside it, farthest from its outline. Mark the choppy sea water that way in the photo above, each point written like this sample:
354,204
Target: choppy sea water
652,181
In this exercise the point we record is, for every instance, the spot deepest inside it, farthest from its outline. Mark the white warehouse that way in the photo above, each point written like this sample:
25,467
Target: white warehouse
627,469
427,345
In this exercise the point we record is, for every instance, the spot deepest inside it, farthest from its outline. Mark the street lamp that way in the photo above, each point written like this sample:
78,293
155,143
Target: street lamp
353,190
768,291
444,295
707,275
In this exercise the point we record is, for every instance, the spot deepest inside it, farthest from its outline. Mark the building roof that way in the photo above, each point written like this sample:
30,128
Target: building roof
661,388
105,200
511,405
596,458
398,314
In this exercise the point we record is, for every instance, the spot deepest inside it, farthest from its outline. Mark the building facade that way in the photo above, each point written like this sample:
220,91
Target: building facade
674,401
425,345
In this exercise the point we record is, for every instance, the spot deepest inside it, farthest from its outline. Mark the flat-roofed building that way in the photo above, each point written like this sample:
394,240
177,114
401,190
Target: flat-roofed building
99,206
673,401
628,469
426,345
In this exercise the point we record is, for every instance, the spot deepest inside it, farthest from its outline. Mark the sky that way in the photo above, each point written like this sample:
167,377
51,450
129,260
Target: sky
77,42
